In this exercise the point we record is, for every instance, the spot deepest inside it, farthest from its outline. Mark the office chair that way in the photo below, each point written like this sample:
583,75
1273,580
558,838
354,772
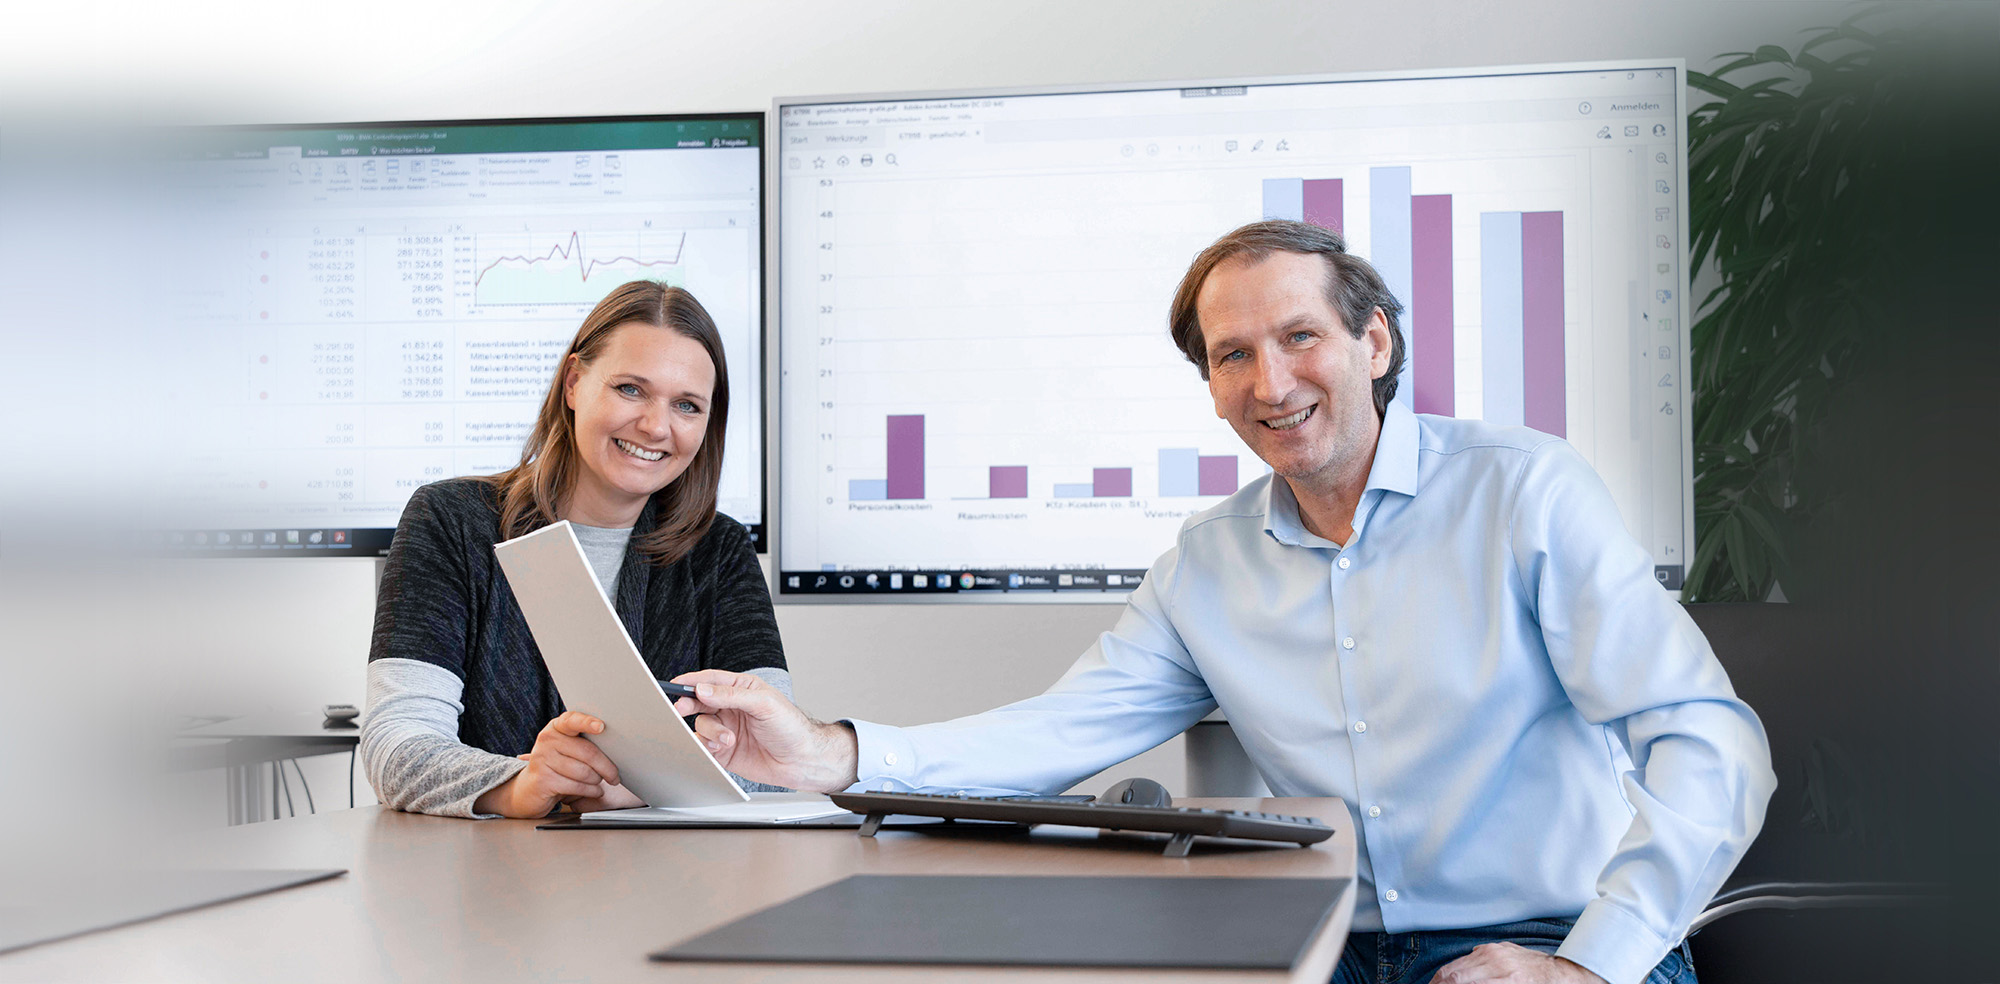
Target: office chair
1837,885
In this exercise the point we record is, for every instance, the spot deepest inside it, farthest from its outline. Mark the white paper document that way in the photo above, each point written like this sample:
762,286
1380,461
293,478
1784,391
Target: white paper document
762,808
598,671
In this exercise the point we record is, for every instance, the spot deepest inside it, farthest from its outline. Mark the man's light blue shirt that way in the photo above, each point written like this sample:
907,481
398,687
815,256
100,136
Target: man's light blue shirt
1522,722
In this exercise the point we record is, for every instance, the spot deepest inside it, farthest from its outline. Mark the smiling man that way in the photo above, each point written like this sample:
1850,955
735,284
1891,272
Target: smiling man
1443,622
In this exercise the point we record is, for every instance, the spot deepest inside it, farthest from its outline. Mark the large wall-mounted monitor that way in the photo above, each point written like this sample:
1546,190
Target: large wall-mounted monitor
362,309
977,396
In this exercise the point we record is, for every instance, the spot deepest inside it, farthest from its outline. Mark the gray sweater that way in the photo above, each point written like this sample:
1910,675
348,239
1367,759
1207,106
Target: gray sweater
456,687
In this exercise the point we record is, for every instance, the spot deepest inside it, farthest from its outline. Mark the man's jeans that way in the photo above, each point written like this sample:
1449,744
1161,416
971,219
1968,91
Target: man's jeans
1412,958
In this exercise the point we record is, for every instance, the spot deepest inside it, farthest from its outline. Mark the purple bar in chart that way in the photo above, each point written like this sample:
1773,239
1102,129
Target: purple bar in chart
1007,482
1544,404
1431,314
1218,474
1324,206
906,456
1110,482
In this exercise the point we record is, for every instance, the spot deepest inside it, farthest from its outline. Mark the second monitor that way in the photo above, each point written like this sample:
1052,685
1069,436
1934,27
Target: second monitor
978,397
357,310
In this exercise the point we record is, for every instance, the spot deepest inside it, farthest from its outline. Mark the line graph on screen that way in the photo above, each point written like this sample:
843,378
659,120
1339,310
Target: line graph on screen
572,268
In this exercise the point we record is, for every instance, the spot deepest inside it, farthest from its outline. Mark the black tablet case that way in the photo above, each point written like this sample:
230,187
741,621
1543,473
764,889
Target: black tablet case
1212,923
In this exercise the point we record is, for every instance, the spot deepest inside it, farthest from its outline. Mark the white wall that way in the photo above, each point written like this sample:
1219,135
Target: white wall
297,631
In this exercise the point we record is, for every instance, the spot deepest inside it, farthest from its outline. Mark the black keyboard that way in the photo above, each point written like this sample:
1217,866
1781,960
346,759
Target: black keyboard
1183,822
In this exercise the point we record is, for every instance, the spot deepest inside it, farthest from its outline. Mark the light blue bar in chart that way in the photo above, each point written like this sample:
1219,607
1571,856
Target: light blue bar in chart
1285,198
1074,490
867,489
1180,471
1389,250
1502,382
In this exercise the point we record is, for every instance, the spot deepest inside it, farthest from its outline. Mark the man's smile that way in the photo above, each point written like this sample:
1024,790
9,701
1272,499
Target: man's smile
1289,422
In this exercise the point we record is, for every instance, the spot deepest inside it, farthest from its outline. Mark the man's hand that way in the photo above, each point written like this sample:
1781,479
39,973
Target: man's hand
756,733
565,767
1511,963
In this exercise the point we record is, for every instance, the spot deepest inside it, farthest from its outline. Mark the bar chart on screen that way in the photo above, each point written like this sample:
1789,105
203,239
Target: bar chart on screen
1038,394
1183,473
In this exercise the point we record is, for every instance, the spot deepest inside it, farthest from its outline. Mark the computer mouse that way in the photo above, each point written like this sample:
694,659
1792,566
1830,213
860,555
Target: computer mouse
1136,792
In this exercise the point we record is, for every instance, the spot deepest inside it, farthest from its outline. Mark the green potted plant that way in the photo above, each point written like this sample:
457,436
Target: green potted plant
1784,198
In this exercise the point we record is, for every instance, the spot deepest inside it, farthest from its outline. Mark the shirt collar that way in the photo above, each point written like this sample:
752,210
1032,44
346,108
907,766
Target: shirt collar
1394,470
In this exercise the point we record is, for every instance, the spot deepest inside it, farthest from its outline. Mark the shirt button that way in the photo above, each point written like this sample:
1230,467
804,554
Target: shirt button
886,786
1343,562
1390,895
1347,643
889,759
1360,727
1374,811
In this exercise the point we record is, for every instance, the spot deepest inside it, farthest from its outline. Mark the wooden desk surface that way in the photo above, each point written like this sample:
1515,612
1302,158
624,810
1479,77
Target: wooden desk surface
441,899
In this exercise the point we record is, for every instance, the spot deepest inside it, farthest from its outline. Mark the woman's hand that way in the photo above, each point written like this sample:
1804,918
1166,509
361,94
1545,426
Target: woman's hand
753,731
565,768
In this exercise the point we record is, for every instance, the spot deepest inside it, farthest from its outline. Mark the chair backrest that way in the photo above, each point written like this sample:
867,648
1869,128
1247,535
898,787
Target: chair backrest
1847,759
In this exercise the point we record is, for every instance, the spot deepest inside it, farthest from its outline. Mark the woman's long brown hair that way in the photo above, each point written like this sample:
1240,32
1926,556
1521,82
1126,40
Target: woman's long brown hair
531,491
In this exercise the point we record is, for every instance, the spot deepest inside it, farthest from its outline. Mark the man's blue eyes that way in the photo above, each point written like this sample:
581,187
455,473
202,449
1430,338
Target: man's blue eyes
1297,336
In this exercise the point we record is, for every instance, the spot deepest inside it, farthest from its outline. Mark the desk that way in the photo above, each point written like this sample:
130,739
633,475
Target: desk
442,899
242,744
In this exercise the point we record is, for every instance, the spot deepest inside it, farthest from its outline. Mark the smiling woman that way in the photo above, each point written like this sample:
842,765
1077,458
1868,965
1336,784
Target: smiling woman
640,406
646,368
463,719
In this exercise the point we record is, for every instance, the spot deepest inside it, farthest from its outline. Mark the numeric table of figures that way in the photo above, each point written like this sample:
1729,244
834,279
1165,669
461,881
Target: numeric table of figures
343,366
